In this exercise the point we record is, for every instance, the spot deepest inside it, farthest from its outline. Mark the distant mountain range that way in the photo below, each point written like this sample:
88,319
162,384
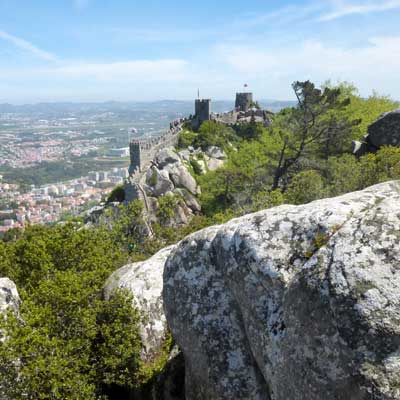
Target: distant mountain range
184,107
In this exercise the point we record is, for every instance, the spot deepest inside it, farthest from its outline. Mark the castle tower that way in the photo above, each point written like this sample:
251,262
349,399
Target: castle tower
244,101
136,157
202,108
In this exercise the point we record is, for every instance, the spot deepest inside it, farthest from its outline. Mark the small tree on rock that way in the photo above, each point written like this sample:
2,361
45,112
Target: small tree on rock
311,123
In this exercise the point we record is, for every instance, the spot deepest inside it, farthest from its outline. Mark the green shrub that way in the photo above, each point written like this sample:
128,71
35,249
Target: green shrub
306,186
166,208
117,195
186,139
196,166
72,344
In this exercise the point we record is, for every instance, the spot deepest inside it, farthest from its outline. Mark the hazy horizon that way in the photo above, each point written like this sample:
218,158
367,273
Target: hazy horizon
92,50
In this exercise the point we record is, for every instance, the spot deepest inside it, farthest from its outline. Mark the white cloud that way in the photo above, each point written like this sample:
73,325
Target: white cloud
344,8
136,70
373,66
281,16
27,46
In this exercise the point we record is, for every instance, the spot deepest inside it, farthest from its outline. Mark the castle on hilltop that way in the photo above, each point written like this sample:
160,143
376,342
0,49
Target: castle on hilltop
142,151
244,101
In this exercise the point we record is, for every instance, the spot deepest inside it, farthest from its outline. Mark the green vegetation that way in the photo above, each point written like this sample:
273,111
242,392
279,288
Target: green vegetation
166,208
68,343
303,156
117,194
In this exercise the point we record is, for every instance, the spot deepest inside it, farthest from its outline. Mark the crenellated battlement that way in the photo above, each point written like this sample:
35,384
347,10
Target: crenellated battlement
142,151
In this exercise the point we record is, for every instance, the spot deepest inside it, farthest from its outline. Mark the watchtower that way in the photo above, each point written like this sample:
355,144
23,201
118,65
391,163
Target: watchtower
135,152
202,108
244,101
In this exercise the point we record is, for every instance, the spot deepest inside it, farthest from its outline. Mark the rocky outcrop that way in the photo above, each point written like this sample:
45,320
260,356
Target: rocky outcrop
385,131
182,178
144,280
9,297
169,176
295,302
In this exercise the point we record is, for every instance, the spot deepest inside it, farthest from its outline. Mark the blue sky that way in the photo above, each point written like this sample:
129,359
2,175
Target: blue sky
96,50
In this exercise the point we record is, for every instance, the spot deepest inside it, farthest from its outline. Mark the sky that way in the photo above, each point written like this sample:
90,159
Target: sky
122,50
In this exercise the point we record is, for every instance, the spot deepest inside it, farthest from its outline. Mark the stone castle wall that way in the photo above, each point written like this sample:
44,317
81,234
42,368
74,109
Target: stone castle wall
142,151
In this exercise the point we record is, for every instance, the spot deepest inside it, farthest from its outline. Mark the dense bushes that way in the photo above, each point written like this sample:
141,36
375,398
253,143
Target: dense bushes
71,343
117,194
303,161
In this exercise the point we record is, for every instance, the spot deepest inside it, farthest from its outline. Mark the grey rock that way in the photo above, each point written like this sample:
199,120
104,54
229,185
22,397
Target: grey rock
184,155
216,152
170,384
182,215
214,163
166,156
132,191
158,181
9,297
144,281
359,148
294,302
385,131
181,177
152,203
94,214
190,200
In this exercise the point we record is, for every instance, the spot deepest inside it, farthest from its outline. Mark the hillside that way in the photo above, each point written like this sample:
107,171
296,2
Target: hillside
70,338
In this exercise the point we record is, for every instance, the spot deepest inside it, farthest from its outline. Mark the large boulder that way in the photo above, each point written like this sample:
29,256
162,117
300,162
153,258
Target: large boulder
181,177
214,163
190,200
295,302
9,297
158,182
385,131
166,156
215,152
144,281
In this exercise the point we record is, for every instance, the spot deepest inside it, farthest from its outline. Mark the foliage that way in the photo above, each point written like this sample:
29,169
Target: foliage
196,166
212,133
153,178
366,110
117,195
72,343
311,123
166,208
249,131
186,139
306,186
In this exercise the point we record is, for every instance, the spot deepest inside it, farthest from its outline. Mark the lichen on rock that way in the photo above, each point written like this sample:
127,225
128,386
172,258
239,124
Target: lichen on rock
259,316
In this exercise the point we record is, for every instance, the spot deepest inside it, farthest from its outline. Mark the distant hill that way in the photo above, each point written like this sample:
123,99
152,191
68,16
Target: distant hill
174,106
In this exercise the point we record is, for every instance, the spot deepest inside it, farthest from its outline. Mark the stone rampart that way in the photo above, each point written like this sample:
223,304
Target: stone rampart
142,151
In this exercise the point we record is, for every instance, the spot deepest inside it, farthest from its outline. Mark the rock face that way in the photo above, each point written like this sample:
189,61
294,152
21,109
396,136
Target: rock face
169,175
144,281
295,302
9,297
385,131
